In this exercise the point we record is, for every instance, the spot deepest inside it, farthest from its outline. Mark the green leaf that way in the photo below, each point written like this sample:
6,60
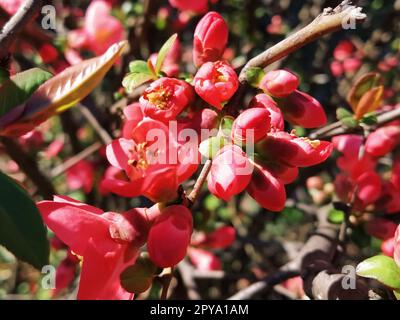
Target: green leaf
342,113
134,80
349,122
336,216
210,147
20,87
225,126
369,119
21,228
254,76
382,268
138,278
139,66
164,51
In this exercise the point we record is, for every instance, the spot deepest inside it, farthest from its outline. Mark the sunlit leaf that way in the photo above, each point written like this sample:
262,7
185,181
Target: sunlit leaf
20,87
382,268
134,80
139,66
60,92
369,102
164,51
21,228
364,84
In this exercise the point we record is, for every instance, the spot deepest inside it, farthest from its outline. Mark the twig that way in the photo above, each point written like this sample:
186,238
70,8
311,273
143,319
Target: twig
29,166
103,134
15,25
192,197
328,21
336,128
187,274
75,159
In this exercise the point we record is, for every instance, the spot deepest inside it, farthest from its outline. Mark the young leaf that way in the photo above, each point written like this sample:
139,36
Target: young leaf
60,92
134,80
336,216
20,87
382,268
139,66
364,84
342,113
369,101
21,228
164,51
138,278
254,76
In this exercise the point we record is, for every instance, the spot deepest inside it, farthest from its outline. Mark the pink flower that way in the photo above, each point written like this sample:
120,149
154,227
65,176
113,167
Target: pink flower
301,109
216,83
198,6
210,38
220,238
54,148
81,176
100,31
264,101
165,98
48,53
107,241
148,156
396,253
169,236
11,6
204,260
279,83
343,50
253,123
230,172
383,140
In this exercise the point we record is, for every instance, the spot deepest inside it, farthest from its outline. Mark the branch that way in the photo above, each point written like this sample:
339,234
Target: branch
336,128
192,197
29,167
329,21
15,25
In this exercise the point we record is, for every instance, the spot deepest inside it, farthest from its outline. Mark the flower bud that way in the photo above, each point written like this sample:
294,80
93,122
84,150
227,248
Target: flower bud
303,110
210,38
169,237
383,140
279,83
253,123
216,83
230,172
265,101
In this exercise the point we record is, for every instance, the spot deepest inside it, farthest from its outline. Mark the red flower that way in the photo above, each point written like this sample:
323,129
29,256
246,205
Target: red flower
198,6
279,83
169,236
383,140
396,254
108,242
381,228
216,83
150,157
230,172
264,101
204,260
220,238
80,176
165,98
48,53
210,38
253,123
303,110
65,273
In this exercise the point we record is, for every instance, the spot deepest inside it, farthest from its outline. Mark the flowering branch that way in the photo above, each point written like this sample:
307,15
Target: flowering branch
337,128
328,21
15,25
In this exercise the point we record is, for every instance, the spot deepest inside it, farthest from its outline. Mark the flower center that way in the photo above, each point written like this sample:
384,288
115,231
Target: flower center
139,159
160,97
312,143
